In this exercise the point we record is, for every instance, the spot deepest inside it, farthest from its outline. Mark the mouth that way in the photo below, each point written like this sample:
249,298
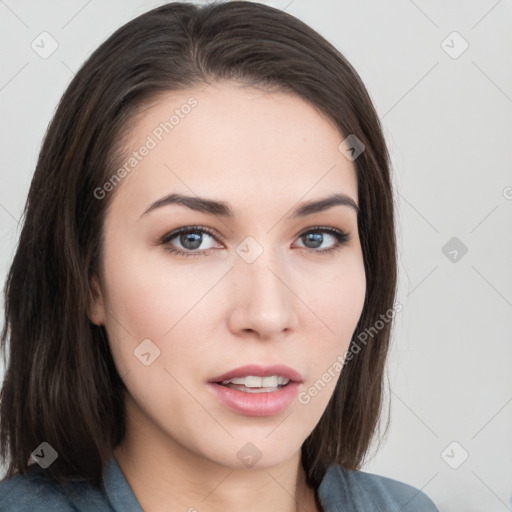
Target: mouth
255,384
255,390
255,378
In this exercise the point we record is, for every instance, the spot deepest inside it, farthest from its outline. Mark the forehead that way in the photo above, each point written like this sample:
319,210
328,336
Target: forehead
235,143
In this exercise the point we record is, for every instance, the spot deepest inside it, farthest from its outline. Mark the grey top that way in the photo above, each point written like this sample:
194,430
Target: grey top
341,490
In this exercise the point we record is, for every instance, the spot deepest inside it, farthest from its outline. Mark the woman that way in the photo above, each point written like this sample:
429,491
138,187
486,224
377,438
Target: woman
209,228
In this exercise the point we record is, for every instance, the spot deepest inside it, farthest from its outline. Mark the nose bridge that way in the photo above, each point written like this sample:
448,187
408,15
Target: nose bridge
263,302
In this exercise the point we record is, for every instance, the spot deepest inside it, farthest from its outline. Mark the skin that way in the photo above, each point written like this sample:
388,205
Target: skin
263,153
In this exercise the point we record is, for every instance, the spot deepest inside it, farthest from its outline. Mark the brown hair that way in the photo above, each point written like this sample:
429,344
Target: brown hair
61,385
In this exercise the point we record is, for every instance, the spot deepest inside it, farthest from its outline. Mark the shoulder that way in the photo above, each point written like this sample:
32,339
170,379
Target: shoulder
33,491
369,492
36,491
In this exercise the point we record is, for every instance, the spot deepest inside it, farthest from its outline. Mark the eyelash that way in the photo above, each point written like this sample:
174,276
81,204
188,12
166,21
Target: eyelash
341,237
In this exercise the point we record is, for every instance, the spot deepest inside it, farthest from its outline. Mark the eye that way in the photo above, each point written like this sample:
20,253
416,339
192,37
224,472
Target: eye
315,237
188,241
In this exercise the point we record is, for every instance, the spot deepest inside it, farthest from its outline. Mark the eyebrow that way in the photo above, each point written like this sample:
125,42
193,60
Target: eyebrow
223,209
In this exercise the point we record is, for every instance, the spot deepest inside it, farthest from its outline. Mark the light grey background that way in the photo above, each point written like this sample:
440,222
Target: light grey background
447,119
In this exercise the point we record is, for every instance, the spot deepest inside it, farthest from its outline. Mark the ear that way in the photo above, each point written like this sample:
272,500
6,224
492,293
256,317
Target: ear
96,312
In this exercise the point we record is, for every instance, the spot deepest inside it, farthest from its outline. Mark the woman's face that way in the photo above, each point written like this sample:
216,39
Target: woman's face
268,284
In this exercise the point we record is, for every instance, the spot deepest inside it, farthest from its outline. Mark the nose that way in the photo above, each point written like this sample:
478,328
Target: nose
263,300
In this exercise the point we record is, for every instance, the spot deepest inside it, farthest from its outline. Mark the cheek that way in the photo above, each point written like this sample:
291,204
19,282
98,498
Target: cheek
350,305
146,305
147,296
339,305
173,307
339,299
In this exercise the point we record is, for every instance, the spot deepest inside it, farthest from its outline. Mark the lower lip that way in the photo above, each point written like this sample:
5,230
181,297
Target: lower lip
256,404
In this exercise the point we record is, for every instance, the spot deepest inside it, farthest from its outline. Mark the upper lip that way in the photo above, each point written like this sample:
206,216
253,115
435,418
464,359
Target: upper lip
260,371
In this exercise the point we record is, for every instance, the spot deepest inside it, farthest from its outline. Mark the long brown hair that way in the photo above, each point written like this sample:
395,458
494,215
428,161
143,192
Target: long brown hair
61,385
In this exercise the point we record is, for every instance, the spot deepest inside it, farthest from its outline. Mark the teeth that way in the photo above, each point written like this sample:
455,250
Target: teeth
258,382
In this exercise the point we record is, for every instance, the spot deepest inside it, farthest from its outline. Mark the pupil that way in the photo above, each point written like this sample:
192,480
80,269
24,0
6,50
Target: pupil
194,239
315,238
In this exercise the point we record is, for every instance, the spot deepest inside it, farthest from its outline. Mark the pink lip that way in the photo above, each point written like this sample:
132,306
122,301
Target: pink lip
260,371
257,404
